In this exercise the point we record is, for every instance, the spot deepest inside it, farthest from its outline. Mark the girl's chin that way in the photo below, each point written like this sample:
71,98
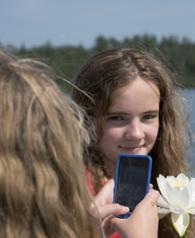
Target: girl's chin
134,151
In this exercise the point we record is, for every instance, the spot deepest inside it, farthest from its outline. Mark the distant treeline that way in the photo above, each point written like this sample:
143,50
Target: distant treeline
177,54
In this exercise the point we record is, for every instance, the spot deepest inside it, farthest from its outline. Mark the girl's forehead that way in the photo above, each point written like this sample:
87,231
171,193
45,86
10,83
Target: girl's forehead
137,85
138,93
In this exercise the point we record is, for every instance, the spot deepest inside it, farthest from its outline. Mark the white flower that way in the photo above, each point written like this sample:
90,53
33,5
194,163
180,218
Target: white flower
178,198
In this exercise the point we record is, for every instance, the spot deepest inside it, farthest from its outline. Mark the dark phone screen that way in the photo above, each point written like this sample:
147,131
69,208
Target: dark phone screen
132,181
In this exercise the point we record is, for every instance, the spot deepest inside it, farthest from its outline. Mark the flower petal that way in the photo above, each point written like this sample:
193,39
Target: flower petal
180,222
163,184
191,187
162,210
169,193
182,177
191,210
162,207
192,183
171,179
180,198
162,202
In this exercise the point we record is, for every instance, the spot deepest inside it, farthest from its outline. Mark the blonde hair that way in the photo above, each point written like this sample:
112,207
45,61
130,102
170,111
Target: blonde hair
42,184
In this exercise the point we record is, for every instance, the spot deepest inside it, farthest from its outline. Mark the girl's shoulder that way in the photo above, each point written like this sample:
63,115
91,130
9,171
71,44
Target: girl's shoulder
94,183
90,182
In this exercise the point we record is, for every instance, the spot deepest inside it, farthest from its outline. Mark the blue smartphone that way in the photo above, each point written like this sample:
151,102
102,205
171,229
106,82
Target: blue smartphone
132,180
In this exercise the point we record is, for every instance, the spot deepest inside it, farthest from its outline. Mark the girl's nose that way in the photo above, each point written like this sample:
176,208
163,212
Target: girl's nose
134,130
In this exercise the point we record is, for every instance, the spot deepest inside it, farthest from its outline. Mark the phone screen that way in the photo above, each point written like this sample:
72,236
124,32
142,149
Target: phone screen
133,179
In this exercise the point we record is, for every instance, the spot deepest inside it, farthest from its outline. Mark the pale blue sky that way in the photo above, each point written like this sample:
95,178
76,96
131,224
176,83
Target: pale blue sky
62,22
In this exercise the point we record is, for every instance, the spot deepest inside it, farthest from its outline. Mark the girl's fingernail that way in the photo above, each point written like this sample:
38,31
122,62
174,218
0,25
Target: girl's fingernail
125,209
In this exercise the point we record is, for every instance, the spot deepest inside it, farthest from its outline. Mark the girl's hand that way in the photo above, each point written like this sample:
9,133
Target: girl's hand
143,222
104,209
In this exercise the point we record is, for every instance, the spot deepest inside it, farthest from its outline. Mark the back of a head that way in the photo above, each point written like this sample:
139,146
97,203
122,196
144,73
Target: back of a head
42,190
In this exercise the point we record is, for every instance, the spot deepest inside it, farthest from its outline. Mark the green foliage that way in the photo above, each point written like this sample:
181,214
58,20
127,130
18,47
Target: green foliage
178,55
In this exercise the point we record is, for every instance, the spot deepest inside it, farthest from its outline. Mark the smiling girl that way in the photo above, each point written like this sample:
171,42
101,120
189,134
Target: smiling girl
132,122
133,104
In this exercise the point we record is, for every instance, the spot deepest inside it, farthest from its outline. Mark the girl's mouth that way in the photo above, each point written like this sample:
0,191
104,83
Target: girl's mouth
130,149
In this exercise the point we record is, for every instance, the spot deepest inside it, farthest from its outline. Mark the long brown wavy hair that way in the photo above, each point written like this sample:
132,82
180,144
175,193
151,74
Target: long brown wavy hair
111,69
42,182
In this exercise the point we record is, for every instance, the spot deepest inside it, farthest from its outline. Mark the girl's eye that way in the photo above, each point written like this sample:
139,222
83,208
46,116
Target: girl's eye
115,118
150,116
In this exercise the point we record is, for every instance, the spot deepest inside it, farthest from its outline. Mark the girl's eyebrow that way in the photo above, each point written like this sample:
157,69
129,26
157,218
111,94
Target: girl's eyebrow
125,113
117,112
151,111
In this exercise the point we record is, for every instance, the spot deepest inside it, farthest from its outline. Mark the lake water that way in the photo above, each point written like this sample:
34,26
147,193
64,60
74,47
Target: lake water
189,95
